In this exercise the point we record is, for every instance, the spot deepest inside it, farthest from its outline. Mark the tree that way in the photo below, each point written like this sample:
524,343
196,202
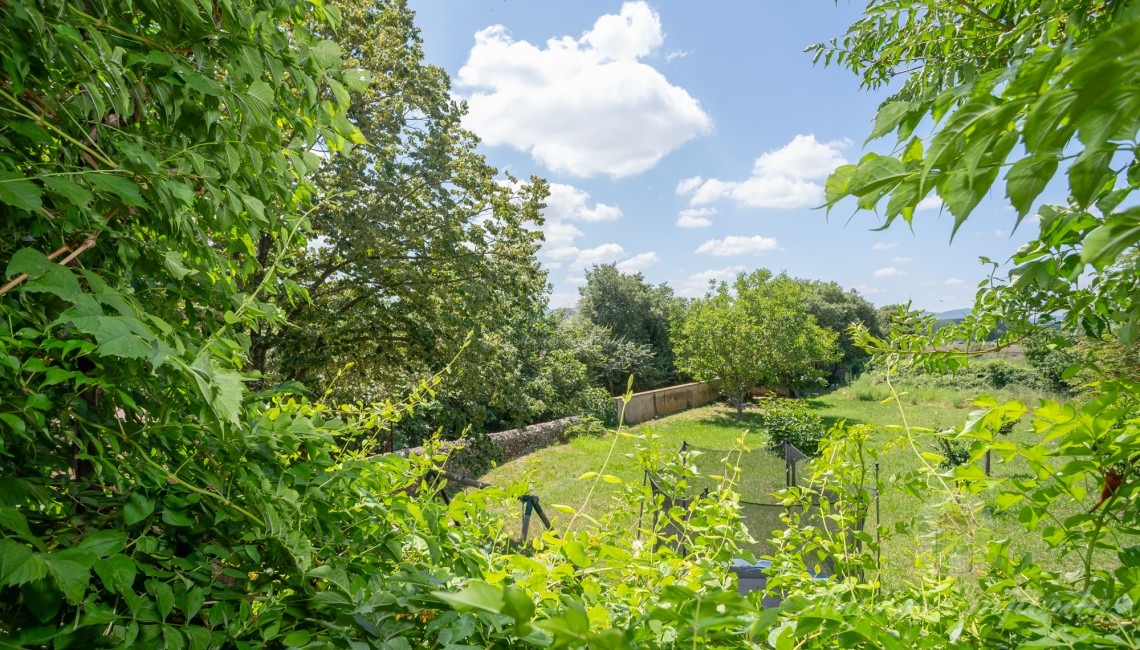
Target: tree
757,334
634,312
431,246
837,309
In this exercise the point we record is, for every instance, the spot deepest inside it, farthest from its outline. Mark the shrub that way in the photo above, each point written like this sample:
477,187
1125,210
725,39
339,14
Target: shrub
585,426
792,420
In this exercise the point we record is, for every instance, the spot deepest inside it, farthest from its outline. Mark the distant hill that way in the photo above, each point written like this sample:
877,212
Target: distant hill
953,314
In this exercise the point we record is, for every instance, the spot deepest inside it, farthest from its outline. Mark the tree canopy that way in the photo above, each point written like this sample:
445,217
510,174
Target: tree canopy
754,333
633,312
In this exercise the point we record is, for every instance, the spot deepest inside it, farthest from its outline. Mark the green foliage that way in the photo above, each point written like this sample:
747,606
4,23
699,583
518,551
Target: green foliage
431,248
758,334
636,314
837,309
792,420
587,426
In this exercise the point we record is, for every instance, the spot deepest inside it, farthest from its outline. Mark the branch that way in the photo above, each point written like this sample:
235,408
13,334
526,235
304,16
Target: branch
87,243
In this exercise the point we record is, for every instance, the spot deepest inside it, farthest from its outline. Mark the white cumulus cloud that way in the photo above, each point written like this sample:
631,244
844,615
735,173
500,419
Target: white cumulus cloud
901,260
931,202
737,245
788,177
598,255
954,282
695,217
884,245
567,202
698,283
637,262
585,105
888,272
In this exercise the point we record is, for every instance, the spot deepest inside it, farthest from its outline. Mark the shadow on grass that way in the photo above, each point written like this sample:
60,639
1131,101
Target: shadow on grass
754,420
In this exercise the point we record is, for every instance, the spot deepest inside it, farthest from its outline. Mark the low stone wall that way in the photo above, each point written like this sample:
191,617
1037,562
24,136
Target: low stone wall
664,401
511,444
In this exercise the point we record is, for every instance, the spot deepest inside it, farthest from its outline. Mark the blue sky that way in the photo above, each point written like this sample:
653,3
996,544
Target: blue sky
690,141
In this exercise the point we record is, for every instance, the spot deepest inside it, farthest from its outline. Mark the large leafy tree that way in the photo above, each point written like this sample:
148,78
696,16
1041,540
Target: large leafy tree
755,332
429,246
634,312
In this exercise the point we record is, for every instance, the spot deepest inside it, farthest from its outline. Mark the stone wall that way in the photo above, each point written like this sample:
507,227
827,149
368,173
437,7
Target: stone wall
664,401
510,445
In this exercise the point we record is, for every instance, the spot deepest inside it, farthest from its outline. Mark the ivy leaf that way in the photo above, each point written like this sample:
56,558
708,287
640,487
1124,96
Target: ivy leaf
19,192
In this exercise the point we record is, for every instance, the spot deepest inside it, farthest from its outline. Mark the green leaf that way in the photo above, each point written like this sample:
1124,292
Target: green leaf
19,192
72,192
262,94
163,596
123,188
1026,180
117,573
890,115
192,601
517,604
13,555
297,638
1119,231
45,275
137,508
476,596
14,520
326,54
1089,175
576,553
177,517
221,388
43,599
838,184
102,543
118,336
357,79
14,422
172,260
71,576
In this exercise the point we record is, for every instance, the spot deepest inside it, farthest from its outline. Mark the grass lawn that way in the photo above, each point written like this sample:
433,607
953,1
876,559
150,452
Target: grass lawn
553,473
